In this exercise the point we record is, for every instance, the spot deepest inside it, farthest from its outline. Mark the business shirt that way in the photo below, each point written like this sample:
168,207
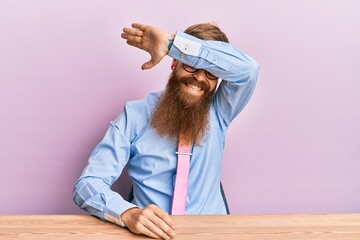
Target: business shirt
150,159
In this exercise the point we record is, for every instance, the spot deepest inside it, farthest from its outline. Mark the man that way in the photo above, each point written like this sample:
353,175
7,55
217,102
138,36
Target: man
146,135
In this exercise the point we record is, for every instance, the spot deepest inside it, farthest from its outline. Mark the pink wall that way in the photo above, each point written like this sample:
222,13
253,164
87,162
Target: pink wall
65,73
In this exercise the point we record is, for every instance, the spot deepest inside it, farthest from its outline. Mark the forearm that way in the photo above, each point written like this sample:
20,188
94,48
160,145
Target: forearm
96,197
92,192
220,58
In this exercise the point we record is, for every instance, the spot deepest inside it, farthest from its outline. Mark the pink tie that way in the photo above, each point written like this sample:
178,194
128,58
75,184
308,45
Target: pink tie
181,181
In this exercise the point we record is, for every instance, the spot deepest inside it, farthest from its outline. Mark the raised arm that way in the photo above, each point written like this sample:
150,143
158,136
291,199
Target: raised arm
238,70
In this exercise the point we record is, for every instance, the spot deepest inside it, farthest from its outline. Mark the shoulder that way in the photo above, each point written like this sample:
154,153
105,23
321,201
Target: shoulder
139,112
136,114
145,105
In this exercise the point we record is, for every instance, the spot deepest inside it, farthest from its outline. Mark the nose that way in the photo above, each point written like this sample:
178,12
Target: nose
200,75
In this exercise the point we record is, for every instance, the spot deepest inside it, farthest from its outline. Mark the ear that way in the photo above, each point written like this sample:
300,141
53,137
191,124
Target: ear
174,62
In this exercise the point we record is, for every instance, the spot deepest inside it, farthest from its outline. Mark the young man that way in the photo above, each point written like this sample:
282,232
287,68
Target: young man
145,137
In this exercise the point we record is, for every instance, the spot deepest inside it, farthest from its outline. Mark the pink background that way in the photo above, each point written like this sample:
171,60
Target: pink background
65,74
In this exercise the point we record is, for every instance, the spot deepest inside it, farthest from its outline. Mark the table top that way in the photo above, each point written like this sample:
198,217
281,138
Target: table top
219,227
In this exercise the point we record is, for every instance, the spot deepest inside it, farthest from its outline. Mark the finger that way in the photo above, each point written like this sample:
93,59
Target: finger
152,226
144,230
147,65
165,217
150,64
139,26
132,38
163,220
164,227
132,31
138,45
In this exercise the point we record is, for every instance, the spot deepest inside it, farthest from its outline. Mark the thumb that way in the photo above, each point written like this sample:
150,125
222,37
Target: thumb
147,65
150,63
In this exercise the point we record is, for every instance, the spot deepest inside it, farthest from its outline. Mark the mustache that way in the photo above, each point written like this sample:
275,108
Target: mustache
193,81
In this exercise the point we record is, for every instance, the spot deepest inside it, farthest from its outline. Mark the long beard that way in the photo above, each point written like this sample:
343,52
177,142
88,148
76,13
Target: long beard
179,112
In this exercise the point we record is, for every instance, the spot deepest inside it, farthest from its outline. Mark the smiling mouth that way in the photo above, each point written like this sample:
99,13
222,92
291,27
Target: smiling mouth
194,89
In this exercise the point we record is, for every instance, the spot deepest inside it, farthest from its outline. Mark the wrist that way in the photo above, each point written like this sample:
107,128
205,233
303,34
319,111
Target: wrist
170,43
114,219
121,223
170,38
126,215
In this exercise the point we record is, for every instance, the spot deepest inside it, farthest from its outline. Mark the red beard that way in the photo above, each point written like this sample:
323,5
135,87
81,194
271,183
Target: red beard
180,112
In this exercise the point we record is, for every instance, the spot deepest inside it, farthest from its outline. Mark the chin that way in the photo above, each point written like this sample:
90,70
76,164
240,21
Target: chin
189,99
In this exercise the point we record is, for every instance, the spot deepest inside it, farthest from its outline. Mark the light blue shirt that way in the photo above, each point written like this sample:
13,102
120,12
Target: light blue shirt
150,159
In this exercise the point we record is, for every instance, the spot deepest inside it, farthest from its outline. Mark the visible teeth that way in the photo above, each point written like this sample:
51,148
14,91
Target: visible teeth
194,87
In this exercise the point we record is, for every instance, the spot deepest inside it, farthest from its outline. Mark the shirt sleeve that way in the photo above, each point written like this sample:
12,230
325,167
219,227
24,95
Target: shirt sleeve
237,70
92,191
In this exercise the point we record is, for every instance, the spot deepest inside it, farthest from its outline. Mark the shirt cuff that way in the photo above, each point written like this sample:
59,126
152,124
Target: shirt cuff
114,211
184,47
187,44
